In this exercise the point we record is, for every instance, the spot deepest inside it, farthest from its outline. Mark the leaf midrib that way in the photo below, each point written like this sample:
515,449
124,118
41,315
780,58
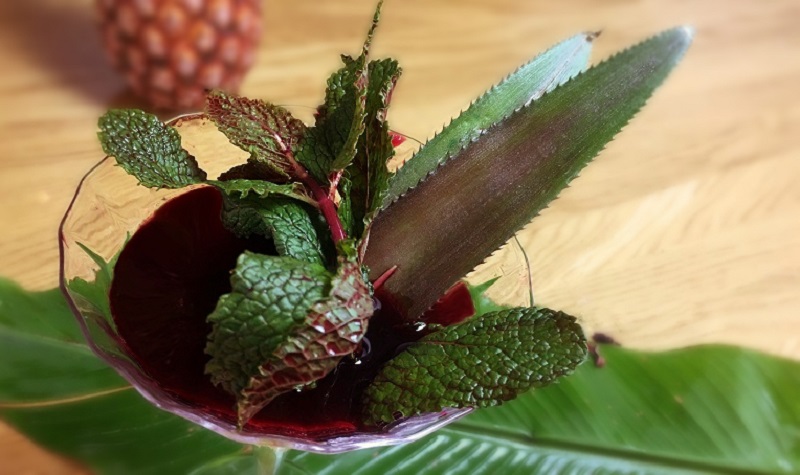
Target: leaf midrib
62,401
667,462
23,335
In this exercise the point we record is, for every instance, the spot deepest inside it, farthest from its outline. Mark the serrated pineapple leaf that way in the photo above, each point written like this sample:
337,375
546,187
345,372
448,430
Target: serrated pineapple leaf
333,329
148,149
270,296
331,144
267,131
368,173
482,362
443,228
542,74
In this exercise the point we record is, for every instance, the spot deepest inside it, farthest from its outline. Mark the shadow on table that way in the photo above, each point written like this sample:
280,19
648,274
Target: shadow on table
64,39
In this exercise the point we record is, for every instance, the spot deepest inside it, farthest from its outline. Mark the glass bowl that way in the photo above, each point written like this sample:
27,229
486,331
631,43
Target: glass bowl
108,207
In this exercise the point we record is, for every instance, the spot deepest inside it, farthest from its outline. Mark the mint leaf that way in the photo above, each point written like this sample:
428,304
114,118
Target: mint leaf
285,220
345,208
331,144
255,207
482,362
241,189
292,230
242,218
254,170
267,131
269,297
95,292
148,149
482,303
333,329
383,75
368,172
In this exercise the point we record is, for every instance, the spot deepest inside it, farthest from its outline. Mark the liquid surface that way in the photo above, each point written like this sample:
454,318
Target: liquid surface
168,279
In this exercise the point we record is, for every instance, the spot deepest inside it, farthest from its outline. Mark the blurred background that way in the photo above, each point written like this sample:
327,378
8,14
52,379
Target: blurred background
685,231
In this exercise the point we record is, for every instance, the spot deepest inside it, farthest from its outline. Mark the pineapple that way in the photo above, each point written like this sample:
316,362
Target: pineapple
172,51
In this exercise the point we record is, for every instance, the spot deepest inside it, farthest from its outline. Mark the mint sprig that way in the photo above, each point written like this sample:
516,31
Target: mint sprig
482,362
270,297
332,329
148,149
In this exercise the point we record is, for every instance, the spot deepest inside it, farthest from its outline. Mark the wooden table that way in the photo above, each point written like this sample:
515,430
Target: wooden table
686,231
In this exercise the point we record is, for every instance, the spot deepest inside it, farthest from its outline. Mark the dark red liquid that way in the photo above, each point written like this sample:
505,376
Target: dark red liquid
168,279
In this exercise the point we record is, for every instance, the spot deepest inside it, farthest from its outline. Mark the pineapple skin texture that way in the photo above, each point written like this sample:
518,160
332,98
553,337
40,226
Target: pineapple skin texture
172,51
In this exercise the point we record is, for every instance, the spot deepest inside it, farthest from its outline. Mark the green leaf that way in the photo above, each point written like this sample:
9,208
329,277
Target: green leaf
292,230
148,149
270,296
551,68
244,188
267,131
482,362
709,409
345,208
96,291
254,170
483,304
330,145
368,173
286,221
243,219
259,208
333,329
471,205
56,392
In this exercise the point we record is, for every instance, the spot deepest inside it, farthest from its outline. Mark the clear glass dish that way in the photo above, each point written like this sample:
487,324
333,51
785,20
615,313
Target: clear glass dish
108,207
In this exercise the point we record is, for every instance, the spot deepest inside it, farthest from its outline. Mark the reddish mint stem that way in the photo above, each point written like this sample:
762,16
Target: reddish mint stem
326,205
328,209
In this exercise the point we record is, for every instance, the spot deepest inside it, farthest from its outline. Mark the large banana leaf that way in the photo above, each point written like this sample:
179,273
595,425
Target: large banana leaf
58,393
710,409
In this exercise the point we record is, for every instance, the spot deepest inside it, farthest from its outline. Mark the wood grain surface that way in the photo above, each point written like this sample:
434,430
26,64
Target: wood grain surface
685,231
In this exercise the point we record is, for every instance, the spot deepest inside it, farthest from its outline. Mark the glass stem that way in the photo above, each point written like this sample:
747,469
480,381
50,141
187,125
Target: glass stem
269,459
